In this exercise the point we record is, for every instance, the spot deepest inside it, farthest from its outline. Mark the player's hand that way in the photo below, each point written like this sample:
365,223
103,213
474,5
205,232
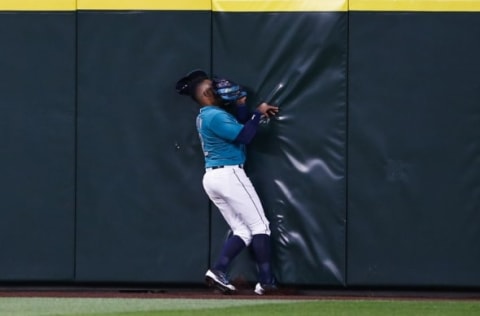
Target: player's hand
267,109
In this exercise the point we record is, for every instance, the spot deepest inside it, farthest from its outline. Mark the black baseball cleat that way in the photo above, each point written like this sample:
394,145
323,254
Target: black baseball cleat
218,280
265,289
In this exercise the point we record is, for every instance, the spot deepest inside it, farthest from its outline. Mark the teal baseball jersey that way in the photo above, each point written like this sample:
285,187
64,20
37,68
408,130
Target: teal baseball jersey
218,130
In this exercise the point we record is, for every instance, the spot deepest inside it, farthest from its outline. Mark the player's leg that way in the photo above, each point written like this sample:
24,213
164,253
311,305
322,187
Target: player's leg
215,185
246,203
239,240
243,199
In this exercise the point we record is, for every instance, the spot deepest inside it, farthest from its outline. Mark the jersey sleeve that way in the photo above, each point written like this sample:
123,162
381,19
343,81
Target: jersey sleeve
225,126
242,113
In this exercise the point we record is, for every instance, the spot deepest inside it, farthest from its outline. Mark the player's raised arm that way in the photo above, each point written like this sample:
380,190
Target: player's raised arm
251,126
242,113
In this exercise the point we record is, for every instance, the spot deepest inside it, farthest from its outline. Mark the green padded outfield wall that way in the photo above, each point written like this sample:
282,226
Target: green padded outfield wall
414,144
142,214
37,141
370,175
297,162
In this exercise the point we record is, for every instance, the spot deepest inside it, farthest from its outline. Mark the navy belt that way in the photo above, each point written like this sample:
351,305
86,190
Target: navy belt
219,167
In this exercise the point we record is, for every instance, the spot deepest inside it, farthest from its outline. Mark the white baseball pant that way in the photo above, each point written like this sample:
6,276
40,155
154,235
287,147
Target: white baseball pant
232,192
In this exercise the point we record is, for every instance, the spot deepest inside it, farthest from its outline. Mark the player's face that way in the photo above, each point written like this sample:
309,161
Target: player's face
205,91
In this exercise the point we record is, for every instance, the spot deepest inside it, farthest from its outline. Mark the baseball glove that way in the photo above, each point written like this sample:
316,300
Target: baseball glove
228,90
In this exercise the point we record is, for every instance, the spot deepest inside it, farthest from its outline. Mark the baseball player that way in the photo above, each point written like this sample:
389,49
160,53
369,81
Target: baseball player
223,137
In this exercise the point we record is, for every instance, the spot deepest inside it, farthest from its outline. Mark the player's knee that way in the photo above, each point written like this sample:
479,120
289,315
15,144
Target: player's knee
245,235
260,229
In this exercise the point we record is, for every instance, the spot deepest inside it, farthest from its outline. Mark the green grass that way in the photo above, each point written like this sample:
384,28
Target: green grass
231,307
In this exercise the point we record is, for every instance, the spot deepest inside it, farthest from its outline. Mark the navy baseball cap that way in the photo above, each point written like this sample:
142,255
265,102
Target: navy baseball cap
188,84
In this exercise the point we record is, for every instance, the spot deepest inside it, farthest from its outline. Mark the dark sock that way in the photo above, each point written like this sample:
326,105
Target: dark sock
232,247
261,250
